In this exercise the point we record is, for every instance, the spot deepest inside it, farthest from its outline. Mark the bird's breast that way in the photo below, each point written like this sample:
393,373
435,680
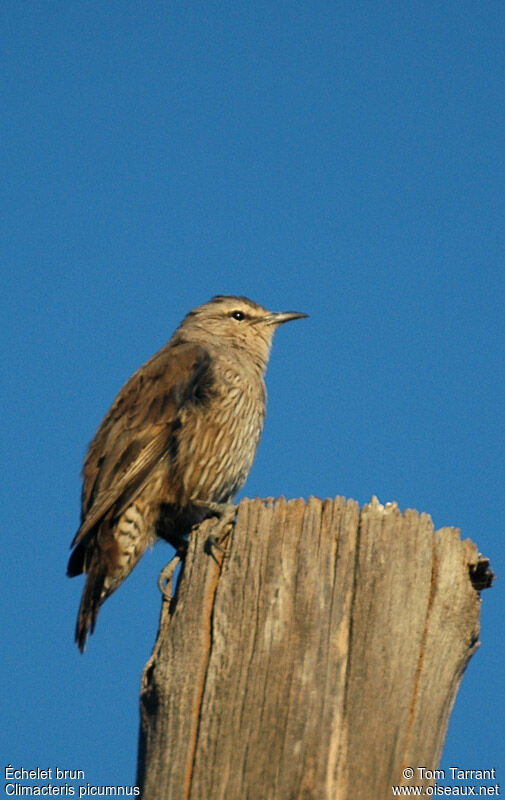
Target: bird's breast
217,442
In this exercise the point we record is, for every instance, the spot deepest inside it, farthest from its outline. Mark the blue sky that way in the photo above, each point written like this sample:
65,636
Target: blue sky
345,159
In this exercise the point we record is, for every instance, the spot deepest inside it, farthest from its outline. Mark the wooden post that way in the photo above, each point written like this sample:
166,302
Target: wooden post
317,660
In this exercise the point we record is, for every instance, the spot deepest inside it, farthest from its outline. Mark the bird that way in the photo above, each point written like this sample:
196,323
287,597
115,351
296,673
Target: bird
176,445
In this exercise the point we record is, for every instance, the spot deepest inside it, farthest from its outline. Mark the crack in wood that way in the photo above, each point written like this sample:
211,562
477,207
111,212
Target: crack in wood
208,613
422,653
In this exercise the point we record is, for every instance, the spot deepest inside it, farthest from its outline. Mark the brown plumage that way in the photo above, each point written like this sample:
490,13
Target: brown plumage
176,445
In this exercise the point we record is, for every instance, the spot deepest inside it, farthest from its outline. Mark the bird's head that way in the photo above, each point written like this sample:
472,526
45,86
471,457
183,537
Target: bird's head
236,322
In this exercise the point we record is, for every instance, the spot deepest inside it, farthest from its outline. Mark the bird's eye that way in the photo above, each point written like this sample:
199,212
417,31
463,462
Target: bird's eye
238,315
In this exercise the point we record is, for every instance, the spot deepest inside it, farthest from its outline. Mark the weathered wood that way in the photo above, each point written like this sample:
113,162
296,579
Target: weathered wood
316,661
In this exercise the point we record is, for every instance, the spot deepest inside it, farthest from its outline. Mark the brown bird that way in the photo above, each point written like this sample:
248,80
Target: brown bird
176,445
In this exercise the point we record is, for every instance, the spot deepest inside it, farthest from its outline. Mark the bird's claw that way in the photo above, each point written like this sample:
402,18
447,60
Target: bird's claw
214,542
166,575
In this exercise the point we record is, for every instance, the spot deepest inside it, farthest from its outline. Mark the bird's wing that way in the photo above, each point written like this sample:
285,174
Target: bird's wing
137,431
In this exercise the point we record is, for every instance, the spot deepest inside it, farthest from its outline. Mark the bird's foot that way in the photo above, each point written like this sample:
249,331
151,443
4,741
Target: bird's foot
166,576
214,542
226,513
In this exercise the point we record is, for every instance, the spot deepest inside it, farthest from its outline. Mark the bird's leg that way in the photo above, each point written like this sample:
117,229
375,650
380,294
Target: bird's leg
166,575
226,513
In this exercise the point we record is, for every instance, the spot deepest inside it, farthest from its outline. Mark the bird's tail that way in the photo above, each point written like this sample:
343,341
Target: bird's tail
92,597
107,555
93,594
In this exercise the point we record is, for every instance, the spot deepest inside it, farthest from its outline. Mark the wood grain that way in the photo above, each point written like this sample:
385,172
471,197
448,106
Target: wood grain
320,657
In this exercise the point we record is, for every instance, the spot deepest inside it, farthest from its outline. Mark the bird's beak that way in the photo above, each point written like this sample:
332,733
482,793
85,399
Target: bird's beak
280,317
